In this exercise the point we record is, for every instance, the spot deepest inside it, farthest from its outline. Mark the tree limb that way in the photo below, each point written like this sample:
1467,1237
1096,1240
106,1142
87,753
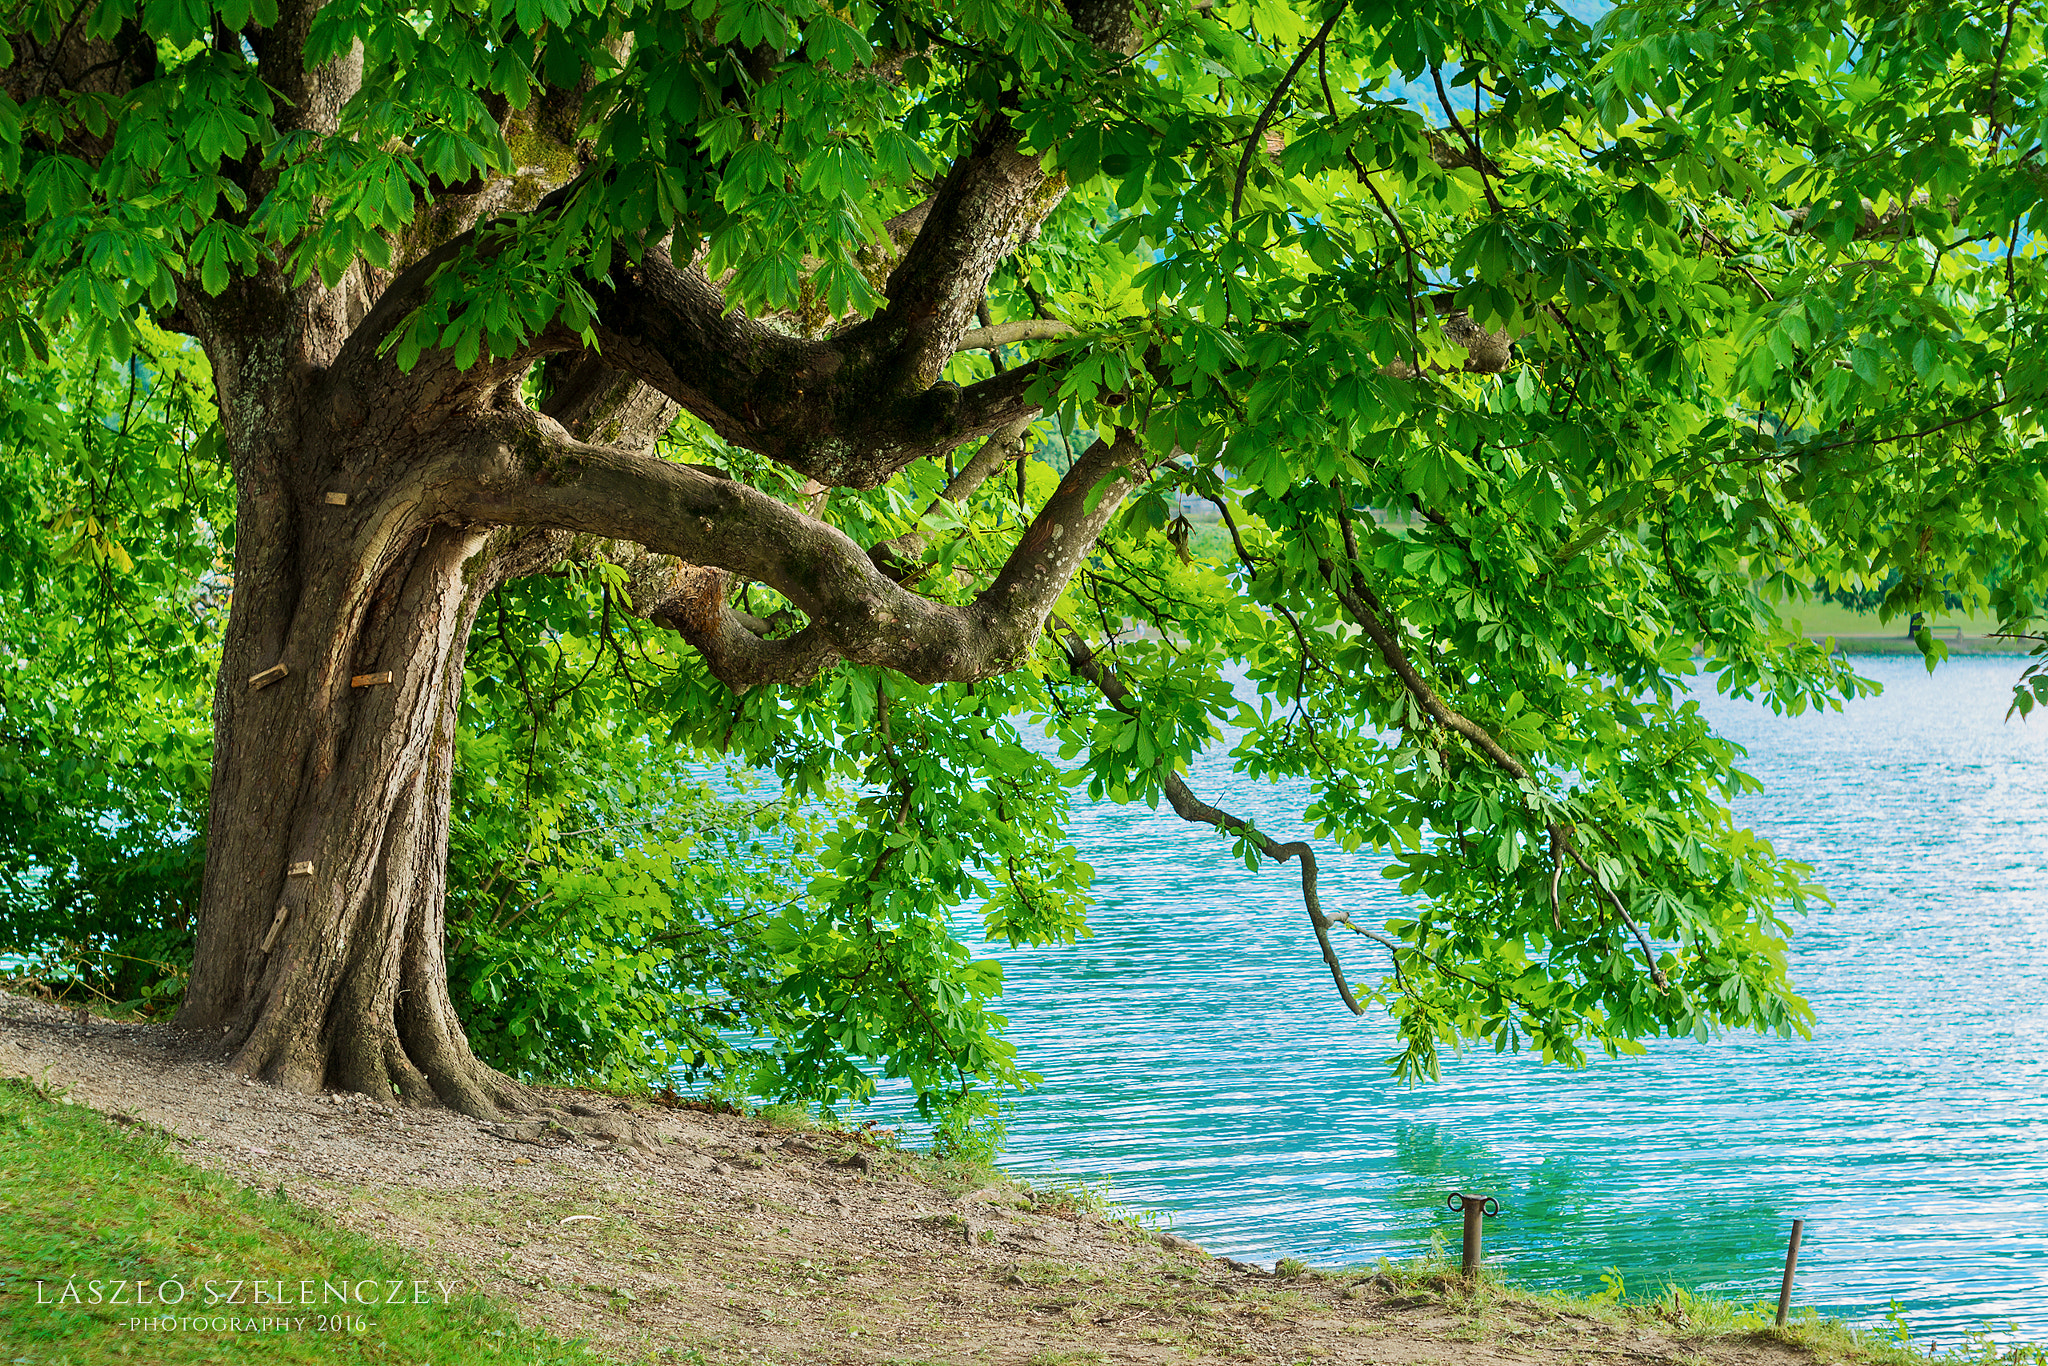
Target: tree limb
1258,138
527,471
1372,617
899,556
1189,807
1006,334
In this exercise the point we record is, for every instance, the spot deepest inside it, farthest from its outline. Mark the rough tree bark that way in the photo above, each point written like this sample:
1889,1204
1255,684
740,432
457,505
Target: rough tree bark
377,509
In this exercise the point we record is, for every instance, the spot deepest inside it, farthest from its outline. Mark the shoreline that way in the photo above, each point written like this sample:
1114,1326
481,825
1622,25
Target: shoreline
714,1238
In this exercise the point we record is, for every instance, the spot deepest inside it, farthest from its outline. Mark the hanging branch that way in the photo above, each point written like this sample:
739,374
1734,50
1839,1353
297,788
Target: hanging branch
1189,807
1371,616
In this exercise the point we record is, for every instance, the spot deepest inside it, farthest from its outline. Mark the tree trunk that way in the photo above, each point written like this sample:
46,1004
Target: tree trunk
334,976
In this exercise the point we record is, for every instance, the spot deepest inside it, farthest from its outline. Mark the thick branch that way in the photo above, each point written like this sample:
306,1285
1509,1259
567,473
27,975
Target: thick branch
838,411
991,198
540,476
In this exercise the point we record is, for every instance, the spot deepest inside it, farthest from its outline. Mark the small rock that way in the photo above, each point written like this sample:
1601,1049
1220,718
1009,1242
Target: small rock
586,1112
857,1160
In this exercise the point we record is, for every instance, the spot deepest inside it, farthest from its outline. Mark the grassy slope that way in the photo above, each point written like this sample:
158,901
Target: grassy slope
83,1199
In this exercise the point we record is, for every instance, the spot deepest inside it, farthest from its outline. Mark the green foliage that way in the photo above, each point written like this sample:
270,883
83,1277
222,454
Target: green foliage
970,1131
612,916
1765,290
115,524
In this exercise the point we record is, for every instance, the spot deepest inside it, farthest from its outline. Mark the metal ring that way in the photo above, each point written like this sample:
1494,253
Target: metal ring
1487,1204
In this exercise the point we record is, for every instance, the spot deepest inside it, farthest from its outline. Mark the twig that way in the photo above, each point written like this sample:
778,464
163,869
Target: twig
1257,139
1802,451
1649,958
1191,808
1471,142
1997,66
1400,230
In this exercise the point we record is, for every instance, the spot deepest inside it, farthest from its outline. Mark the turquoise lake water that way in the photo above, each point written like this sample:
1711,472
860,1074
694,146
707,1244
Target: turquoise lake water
1196,1059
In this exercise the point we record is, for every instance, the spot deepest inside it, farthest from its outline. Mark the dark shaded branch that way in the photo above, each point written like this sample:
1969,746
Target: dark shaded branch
843,411
1800,452
1997,69
990,198
1257,140
1372,618
1478,158
1189,807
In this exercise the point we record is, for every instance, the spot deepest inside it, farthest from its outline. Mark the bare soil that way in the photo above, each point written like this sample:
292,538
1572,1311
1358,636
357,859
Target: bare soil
693,1236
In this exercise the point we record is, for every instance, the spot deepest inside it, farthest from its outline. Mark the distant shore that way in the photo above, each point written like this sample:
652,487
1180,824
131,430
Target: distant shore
1902,644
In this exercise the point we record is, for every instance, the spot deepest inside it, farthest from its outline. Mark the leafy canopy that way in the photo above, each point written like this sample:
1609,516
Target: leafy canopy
1537,368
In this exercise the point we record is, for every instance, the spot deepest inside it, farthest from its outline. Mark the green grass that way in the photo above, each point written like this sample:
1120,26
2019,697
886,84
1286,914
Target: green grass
1683,1315
83,1200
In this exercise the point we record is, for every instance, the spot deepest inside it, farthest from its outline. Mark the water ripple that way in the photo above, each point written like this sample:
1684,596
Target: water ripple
1194,1054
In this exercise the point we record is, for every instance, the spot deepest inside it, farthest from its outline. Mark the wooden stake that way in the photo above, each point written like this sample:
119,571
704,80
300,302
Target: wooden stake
339,500
1791,1265
303,868
370,680
267,677
276,924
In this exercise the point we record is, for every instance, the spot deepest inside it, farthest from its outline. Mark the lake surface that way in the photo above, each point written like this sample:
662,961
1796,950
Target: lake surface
1196,1058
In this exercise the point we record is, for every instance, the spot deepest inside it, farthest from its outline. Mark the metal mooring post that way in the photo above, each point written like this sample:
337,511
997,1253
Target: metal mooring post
1474,1206
1791,1264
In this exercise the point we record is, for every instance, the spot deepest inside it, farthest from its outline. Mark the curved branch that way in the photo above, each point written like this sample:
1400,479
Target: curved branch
989,200
535,474
1191,808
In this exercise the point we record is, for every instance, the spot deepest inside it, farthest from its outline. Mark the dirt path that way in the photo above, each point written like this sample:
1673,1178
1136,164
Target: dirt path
712,1238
